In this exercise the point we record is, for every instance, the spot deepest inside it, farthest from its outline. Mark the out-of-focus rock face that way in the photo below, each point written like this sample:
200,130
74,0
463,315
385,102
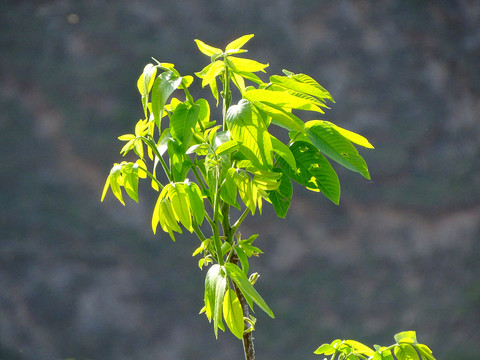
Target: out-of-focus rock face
89,281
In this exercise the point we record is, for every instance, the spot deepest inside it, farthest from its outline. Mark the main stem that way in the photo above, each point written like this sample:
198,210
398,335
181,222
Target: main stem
229,232
248,347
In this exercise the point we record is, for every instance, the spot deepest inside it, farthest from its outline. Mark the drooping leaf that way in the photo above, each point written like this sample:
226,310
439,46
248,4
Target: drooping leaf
247,128
330,142
116,182
215,287
163,87
282,196
195,201
145,83
130,180
246,288
180,204
233,314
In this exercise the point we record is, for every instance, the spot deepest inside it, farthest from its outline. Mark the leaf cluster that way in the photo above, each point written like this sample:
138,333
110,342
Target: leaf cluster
406,347
212,166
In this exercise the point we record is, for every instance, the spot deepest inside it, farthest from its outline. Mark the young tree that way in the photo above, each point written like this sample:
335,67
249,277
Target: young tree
211,169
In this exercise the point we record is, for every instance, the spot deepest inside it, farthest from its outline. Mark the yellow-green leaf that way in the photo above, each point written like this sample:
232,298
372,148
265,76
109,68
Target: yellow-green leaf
238,43
233,314
207,49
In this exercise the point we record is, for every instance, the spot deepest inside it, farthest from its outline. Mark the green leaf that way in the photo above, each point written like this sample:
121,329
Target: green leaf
233,314
245,65
307,80
307,87
405,352
203,111
182,123
215,287
247,127
246,288
359,347
105,188
226,147
238,43
325,349
330,142
284,152
313,170
211,72
353,137
281,99
163,87
425,352
116,182
195,201
280,117
180,204
130,180
409,337
243,259
145,83
282,196
207,49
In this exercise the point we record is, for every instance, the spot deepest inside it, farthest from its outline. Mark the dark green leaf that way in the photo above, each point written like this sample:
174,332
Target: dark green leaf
330,142
313,170
282,196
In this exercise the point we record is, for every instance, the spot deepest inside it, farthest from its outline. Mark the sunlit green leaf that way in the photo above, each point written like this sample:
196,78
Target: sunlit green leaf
207,49
233,314
163,87
182,123
246,288
307,86
282,150
238,43
409,337
281,118
180,204
282,99
247,128
307,80
353,137
330,142
405,352
246,65
195,201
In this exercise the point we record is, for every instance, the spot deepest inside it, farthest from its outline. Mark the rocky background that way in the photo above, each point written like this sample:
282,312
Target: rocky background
84,280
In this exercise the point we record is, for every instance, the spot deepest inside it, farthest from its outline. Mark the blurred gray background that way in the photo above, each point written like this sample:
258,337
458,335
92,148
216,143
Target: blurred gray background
85,280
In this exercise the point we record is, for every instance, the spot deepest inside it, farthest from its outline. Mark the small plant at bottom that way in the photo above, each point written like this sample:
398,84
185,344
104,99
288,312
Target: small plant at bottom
210,175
